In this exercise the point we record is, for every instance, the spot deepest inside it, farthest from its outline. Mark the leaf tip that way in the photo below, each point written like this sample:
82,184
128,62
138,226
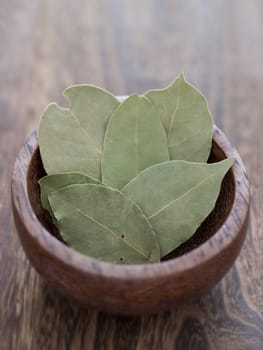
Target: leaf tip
182,76
48,109
231,161
67,93
53,106
225,164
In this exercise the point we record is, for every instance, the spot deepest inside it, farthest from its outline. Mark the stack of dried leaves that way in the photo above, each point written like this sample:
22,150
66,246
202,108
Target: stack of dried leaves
128,182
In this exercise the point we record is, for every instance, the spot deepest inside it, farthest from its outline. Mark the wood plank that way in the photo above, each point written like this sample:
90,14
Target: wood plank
131,46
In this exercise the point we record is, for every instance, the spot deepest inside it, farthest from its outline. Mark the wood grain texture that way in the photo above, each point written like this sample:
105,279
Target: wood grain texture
132,46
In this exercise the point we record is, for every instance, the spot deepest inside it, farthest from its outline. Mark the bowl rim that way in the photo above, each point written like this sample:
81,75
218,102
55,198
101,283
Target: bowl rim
88,265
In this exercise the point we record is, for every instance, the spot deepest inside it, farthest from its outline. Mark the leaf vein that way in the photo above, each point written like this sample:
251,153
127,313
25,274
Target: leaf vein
176,109
86,132
136,142
182,196
106,228
185,139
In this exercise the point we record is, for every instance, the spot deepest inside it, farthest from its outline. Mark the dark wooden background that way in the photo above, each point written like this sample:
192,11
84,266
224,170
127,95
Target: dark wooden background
130,46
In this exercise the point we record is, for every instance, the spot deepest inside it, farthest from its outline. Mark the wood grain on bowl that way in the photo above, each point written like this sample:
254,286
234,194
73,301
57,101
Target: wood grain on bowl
188,272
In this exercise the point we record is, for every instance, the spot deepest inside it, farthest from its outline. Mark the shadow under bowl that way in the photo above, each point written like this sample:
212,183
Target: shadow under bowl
188,272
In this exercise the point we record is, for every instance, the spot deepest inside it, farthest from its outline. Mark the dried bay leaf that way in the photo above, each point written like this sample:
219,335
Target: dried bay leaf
93,107
135,139
186,119
103,223
51,183
176,197
71,140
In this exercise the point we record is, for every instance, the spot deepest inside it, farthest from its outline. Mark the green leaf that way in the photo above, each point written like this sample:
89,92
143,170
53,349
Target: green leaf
51,183
176,197
71,140
134,140
103,223
186,119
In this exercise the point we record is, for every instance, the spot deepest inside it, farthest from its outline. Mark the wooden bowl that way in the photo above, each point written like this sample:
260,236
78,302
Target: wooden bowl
191,270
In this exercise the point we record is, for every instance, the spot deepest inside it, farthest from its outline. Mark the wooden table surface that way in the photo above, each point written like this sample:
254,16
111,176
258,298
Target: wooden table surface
130,46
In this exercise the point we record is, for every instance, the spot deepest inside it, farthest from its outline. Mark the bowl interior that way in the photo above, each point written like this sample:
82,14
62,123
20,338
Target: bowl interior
208,228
